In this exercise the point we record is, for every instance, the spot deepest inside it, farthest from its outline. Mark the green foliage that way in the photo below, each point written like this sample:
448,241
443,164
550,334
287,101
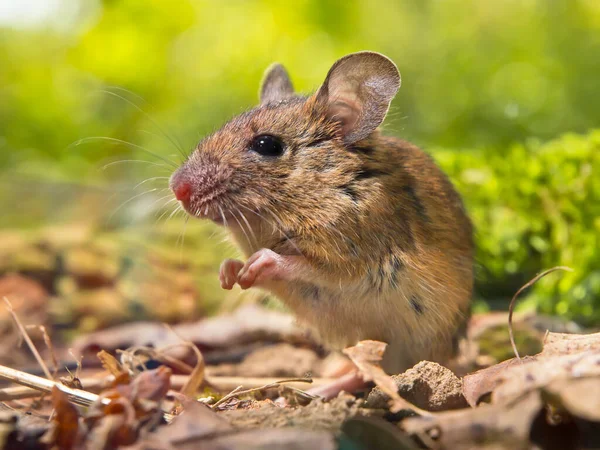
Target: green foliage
532,208
474,72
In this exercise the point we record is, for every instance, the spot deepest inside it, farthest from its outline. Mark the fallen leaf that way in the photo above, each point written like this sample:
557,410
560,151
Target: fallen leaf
112,366
195,422
567,344
579,396
504,426
66,420
131,407
517,379
250,323
478,384
558,359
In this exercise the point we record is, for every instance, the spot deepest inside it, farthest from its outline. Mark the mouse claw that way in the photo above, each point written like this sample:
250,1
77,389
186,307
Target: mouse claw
264,265
228,273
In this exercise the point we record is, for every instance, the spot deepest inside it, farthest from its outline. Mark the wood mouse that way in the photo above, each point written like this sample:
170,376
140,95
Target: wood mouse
360,234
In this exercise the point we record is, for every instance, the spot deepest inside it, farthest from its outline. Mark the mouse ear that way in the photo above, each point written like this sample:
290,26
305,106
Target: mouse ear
276,85
357,92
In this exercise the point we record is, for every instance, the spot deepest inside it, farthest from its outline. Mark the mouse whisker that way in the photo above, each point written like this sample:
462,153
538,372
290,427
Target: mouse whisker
127,143
122,161
222,215
166,210
241,227
160,199
149,179
132,199
281,230
175,211
248,225
182,235
172,140
179,150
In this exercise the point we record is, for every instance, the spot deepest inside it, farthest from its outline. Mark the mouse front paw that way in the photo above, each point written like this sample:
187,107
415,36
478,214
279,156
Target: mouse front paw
264,265
228,273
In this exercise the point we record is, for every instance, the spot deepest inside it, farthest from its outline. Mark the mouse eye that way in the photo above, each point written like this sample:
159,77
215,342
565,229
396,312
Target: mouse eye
267,145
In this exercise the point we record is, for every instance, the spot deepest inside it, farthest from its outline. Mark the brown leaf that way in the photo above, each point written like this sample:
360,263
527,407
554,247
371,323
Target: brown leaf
580,396
112,366
366,355
558,359
566,344
517,379
478,384
152,384
249,323
131,406
196,421
488,426
66,420
196,378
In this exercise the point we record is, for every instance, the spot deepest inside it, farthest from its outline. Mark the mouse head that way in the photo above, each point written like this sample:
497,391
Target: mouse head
291,156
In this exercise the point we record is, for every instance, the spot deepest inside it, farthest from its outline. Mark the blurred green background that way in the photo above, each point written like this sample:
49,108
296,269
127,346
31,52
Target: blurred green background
504,93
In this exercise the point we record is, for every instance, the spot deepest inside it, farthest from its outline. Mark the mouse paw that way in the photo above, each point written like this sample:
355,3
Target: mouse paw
228,273
262,266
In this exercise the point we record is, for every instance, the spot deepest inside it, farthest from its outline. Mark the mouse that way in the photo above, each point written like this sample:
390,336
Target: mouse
360,234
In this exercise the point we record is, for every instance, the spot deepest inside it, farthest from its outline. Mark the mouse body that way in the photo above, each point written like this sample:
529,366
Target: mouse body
361,235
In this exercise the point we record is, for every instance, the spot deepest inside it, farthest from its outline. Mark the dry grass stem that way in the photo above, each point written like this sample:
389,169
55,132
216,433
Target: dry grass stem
238,390
28,340
513,300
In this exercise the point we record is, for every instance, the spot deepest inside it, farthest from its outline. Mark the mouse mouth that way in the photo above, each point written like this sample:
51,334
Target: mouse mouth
202,190
210,208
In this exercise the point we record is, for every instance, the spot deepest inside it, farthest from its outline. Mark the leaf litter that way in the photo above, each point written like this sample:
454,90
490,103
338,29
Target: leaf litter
206,384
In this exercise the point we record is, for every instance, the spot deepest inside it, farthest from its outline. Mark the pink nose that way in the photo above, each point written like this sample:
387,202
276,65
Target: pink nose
182,191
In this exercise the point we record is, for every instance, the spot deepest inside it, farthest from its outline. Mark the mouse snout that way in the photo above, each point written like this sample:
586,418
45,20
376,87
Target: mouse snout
181,187
182,191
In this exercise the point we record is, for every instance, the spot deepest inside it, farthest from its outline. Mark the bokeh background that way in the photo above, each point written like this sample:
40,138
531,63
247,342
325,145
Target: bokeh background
97,97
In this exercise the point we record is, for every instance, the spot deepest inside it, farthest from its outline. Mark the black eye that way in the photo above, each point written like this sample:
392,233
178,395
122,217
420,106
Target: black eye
267,145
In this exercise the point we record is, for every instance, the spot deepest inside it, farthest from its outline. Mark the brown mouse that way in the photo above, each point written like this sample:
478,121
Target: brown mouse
360,234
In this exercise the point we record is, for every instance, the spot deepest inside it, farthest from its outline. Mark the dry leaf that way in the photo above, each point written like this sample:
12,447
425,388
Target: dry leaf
478,384
518,379
196,421
487,426
112,366
250,323
66,420
566,344
560,358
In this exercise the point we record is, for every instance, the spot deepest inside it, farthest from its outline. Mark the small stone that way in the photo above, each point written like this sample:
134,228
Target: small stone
427,385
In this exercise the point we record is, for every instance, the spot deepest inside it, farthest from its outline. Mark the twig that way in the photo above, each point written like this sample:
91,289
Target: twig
28,339
77,396
227,397
238,390
94,385
50,347
512,303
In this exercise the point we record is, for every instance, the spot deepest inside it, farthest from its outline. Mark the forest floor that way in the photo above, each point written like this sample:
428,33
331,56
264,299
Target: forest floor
101,349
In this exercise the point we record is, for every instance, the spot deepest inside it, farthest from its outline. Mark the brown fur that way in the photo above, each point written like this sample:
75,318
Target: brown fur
381,225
